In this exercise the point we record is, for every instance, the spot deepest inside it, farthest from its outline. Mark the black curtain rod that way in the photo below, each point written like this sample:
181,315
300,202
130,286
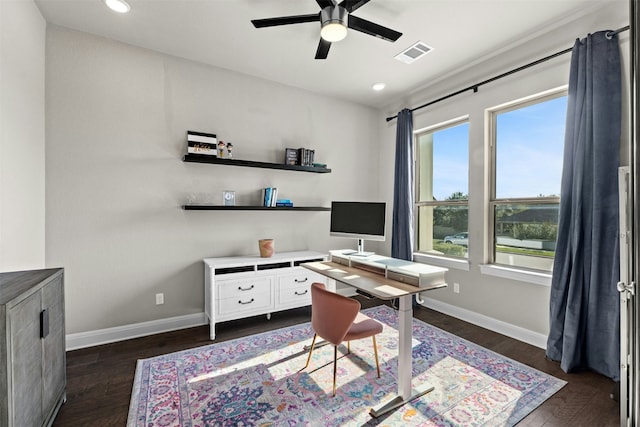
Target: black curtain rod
508,73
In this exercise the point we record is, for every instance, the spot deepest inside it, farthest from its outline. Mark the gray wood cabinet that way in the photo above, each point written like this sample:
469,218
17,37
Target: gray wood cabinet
32,347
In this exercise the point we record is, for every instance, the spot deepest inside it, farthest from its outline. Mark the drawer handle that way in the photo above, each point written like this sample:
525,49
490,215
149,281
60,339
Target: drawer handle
44,323
301,281
240,288
301,293
248,302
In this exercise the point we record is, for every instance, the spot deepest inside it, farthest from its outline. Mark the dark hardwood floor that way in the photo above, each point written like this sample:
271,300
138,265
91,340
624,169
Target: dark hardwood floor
99,379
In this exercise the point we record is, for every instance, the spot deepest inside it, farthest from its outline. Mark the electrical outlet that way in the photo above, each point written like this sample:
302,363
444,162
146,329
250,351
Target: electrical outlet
456,288
159,299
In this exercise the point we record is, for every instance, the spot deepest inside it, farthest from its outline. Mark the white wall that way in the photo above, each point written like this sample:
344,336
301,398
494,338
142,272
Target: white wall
116,127
22,140
486,299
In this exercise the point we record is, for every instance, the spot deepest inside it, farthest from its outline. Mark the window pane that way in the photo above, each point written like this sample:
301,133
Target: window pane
526,235
442,230
444,163
529,148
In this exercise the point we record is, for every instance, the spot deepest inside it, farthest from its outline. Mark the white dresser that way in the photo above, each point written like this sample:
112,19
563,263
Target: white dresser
237,287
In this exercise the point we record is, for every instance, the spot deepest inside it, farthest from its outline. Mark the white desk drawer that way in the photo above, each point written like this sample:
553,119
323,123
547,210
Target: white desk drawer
254,302
242,288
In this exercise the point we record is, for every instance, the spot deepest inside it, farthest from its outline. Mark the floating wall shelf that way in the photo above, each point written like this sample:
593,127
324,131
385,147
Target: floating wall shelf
252,208
201,158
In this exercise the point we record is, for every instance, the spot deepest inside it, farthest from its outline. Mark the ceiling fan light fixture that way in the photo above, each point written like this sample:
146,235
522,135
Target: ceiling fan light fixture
334,23
119,6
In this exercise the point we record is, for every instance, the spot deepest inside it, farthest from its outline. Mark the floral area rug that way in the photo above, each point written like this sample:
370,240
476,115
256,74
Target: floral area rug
258,381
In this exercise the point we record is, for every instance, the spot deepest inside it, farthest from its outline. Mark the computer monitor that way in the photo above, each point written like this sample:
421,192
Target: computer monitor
359,220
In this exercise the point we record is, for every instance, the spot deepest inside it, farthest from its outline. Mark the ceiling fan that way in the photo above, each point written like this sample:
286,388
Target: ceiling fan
334,20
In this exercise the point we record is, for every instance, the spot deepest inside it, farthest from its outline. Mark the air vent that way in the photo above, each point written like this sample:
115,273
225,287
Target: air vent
413,53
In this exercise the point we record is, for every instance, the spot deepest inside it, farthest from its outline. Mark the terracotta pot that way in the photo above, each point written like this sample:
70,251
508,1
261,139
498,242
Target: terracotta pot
266,248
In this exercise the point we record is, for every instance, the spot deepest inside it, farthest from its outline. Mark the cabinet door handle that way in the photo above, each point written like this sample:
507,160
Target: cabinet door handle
301,293
247,302
240,288
44,323
301,281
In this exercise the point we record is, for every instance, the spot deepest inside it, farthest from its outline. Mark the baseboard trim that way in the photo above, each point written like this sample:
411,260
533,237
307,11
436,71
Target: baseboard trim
516,332
136,330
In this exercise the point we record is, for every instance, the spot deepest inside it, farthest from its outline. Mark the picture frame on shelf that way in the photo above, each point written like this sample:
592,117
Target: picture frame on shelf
228,198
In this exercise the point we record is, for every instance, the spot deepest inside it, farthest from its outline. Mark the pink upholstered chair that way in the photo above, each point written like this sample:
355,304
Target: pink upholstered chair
336,319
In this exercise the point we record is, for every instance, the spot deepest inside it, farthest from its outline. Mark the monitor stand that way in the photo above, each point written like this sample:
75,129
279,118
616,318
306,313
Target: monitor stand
360,251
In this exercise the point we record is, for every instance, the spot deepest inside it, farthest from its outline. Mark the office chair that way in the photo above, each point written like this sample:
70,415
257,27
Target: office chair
336,319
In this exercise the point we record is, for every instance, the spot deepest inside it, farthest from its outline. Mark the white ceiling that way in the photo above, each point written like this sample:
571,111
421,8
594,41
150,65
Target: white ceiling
219,33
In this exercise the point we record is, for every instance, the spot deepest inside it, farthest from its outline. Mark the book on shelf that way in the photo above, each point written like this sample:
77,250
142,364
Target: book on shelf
284,203
202,143
269,196
290,156
305,156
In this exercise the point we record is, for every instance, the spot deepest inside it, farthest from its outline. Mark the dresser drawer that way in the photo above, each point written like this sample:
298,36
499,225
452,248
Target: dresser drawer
299,276
298,295
246,304
243,288
294,289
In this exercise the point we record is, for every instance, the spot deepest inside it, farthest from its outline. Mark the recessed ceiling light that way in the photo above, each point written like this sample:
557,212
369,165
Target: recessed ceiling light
378,86
119,6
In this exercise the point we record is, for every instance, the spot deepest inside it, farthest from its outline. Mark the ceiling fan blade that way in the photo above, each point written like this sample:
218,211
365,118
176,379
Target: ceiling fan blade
285,20
323,49
352,5
372,29
325,3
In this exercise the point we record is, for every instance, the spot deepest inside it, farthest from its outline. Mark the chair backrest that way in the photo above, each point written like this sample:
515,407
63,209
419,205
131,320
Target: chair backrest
331,314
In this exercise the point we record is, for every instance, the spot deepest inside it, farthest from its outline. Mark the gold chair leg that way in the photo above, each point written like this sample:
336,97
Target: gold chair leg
348,347
375,351
311,350
335,367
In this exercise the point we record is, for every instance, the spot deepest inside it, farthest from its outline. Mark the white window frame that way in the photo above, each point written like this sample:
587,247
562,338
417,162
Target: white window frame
490,267
435,259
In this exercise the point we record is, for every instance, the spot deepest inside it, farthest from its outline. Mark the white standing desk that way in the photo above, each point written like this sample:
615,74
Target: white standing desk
369,275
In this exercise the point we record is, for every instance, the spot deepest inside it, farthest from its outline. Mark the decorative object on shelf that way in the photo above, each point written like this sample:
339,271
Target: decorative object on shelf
290,156
266,248
229,198
221,149
201,143
229,148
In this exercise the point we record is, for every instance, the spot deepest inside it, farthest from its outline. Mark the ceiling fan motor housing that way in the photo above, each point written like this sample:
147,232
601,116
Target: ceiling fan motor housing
334,15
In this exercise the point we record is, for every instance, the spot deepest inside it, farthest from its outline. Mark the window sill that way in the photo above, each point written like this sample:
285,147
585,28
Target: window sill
439,261
537,278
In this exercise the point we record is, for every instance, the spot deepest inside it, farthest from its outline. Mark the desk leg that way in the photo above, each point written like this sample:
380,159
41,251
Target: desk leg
405,359
405,362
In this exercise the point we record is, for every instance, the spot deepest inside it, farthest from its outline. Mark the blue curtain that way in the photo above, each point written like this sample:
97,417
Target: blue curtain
402,226
584,303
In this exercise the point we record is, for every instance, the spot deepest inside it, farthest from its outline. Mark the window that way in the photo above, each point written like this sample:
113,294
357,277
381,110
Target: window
442,176
527,142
